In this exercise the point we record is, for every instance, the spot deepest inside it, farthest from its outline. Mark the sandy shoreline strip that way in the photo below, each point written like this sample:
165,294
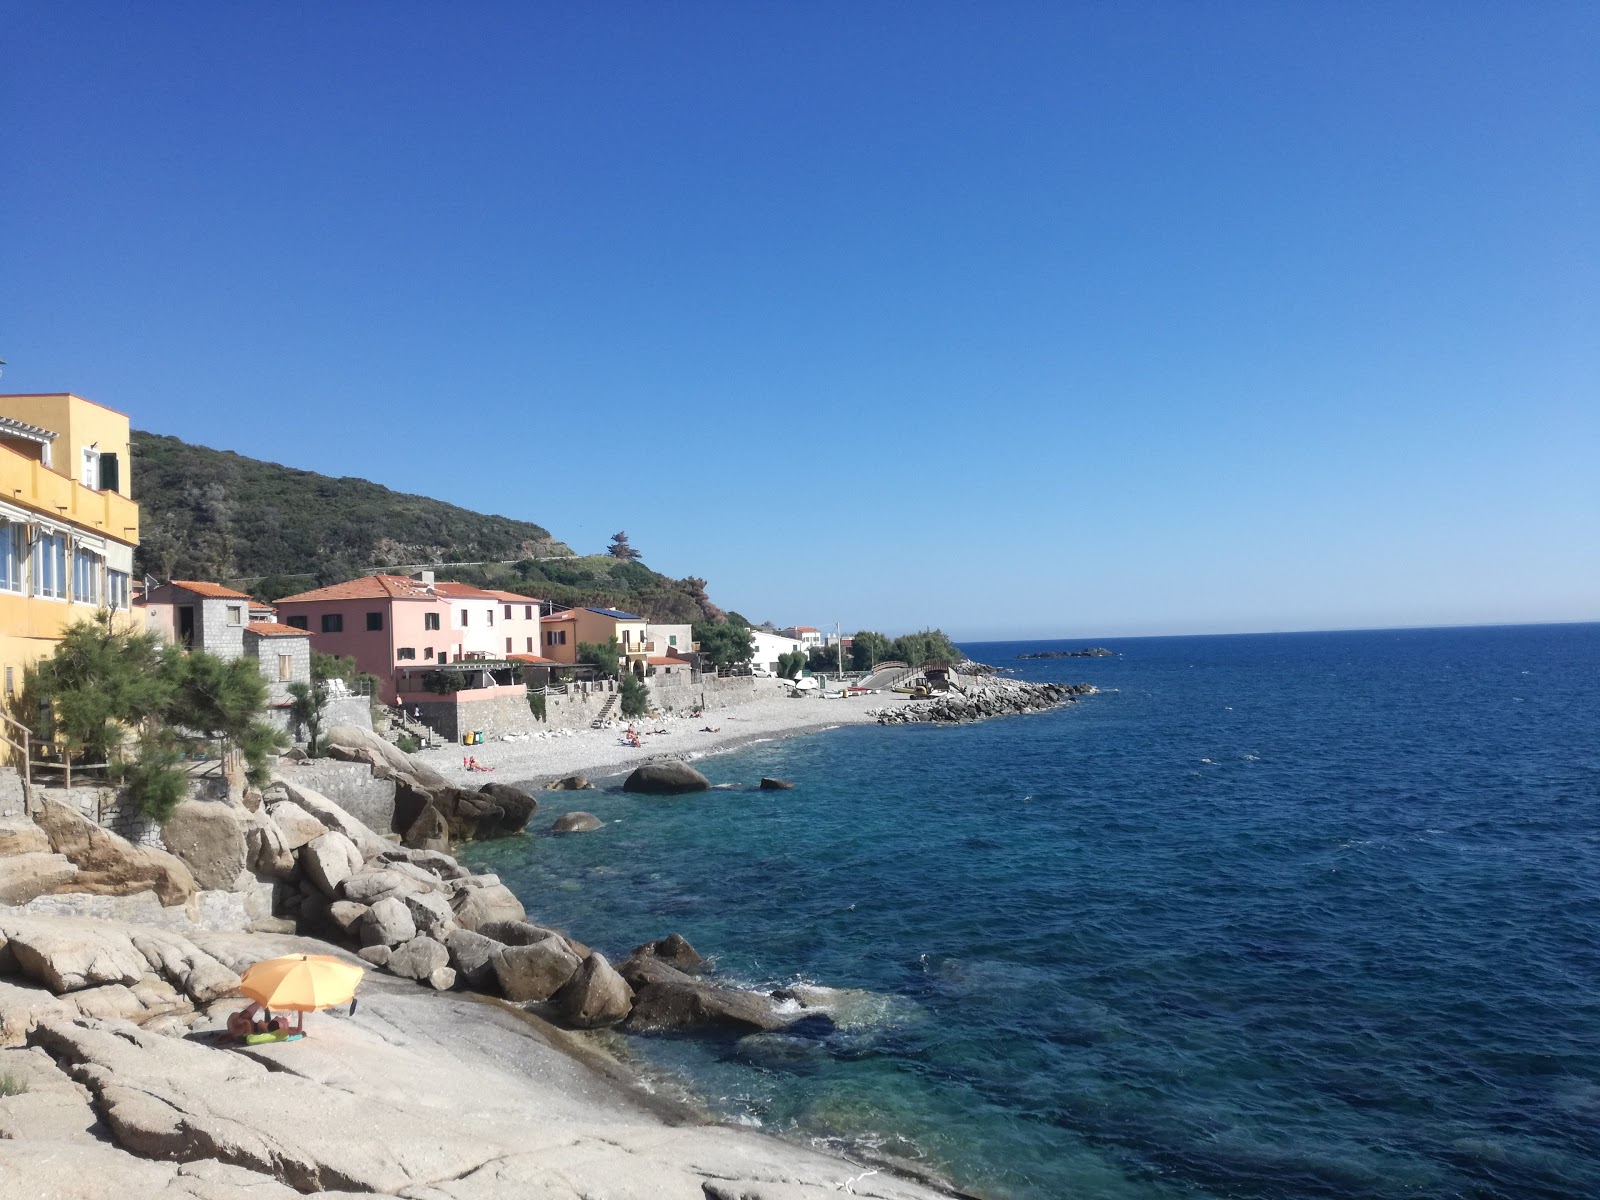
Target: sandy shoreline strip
602,752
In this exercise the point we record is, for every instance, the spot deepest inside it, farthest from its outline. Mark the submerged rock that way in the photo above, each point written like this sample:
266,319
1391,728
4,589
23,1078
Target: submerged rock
775,785
572,783
576,822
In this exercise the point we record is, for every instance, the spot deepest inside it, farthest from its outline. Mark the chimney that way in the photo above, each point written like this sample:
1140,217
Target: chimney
425,578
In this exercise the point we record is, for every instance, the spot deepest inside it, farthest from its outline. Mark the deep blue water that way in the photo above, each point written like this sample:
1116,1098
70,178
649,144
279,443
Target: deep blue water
1301,915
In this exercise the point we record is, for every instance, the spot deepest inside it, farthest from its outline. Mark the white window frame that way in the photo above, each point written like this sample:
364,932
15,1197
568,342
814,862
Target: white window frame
13,556
86,570
47,559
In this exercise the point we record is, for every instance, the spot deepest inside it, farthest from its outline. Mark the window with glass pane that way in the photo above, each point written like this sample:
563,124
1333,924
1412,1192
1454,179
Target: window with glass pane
50,566
12,539
85,576
116,589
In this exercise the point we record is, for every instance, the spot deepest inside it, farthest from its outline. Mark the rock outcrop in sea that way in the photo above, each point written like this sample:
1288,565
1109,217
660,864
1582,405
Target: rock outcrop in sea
977,699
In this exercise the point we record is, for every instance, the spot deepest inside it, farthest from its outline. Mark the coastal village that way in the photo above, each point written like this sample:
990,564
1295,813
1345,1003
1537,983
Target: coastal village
201,786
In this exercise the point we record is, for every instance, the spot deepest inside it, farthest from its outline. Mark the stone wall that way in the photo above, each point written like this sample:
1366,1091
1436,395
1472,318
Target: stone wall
502,715
11,797
348,710
352,786
680,692
578,708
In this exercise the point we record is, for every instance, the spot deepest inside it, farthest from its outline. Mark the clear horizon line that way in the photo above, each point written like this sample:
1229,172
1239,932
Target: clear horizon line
1128,637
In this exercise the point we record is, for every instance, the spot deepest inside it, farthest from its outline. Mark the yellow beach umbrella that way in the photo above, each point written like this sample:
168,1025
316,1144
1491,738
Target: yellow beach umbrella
301,982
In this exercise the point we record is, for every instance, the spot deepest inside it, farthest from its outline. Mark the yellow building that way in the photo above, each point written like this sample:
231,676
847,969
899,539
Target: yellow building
68,524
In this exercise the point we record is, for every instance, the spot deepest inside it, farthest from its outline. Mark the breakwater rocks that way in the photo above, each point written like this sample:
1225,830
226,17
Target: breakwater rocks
980,699
1089,652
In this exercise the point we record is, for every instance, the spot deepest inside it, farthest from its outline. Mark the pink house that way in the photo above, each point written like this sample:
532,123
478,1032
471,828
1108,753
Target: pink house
402,629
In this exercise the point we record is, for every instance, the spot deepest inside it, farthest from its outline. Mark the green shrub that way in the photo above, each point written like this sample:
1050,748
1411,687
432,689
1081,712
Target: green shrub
11,1085
635,695
155,779
602,656
408,744
536,704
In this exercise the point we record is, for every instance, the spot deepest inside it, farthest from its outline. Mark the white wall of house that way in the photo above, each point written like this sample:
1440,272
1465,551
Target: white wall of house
769,646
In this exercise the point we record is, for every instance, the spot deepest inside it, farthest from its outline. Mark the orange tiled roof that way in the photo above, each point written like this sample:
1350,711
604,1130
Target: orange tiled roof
275,629
214,591
461,591
566,614
368,587
536,660
513,597
666,662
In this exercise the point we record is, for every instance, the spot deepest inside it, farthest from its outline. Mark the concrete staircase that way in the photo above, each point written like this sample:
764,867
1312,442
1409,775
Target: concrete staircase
606,710
404,723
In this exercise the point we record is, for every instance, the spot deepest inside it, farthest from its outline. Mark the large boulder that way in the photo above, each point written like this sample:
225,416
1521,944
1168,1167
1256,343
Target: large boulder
347,915
330,816
68,955
367,886
387,923
19,835
472,954
769,784
418,958
595,995
266,849
674,950
478,906
209,838
431,912
576,822
666,778
428,831
297,825
516,809
26,876
687,1003
350,743
109,865
534,972
526,933
329,861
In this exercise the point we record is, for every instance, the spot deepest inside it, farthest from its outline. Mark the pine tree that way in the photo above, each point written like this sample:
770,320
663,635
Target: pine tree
619,547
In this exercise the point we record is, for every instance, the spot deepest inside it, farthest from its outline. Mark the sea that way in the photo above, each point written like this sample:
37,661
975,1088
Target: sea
1270,916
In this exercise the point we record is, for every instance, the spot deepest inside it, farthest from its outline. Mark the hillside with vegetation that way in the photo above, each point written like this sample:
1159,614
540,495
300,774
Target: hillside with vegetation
273,530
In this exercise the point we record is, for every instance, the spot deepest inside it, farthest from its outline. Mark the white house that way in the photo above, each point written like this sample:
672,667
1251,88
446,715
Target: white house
805,635
768,647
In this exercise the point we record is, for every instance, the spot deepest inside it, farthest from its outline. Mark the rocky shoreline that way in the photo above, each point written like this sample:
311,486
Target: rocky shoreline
983,698
100,1065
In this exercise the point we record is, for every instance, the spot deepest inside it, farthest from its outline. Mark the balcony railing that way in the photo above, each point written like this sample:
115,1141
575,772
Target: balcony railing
636,648
30,483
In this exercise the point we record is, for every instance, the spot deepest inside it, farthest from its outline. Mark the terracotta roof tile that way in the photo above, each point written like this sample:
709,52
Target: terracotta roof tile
214,591
536,660
368,587
666,662
513,597
275,629
461,591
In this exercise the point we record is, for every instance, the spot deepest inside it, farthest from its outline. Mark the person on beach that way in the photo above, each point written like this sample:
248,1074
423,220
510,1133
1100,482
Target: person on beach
632,737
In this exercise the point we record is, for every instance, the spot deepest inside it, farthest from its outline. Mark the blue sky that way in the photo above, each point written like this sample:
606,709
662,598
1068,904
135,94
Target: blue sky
1016,319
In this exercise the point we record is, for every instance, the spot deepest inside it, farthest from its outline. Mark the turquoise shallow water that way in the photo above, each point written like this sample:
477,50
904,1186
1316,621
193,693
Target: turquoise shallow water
1275,916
